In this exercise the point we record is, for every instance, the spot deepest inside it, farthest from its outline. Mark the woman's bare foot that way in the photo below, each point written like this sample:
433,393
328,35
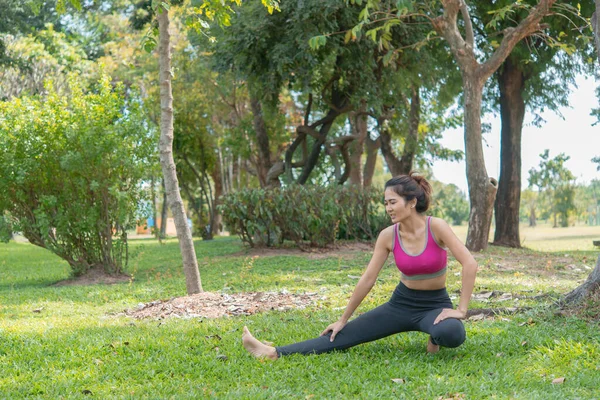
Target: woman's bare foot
257,348
432,348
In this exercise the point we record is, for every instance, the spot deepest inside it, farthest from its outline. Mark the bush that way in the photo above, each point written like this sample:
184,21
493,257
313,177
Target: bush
71,170
306,215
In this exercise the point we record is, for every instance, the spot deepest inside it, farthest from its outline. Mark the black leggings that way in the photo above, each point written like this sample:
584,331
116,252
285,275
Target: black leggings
407,310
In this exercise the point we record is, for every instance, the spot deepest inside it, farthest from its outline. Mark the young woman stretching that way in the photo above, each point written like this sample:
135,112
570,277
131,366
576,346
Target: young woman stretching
420,302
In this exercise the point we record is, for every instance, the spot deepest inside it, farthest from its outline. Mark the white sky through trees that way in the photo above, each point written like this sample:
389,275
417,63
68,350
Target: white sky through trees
575,136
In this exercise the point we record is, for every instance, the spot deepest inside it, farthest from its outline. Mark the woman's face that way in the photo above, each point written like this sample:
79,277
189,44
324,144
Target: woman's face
396,206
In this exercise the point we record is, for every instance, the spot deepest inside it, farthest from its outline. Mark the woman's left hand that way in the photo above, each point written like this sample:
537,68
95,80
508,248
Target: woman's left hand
449,313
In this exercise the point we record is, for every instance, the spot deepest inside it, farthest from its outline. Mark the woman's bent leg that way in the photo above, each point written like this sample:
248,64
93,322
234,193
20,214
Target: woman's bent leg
380,322
447,333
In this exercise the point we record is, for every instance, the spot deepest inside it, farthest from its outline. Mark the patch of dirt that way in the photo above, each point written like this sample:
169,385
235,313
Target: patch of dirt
340,249
95,276
215,305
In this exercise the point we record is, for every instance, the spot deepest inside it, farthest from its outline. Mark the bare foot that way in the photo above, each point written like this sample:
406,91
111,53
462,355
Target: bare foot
432,348
257,348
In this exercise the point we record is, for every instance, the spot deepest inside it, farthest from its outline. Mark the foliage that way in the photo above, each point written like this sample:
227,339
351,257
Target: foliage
72,167
558,184
5,229
449,203
47,54
319,215
587,202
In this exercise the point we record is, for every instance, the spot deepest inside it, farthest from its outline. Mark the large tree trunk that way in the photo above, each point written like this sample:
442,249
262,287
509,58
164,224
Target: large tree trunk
591,284
412,140
511,82
393,163
482,189
184,235
358,122
372,150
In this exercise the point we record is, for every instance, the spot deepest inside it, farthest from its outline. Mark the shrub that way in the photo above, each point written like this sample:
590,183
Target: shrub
307,215
71,168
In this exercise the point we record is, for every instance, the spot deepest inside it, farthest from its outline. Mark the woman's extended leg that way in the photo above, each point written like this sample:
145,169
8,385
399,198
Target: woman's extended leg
380,322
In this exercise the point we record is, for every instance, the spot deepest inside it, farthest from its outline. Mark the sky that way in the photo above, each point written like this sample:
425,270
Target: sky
575,136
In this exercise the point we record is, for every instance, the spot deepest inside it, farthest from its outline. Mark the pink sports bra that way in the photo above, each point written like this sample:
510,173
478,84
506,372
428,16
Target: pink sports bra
429,263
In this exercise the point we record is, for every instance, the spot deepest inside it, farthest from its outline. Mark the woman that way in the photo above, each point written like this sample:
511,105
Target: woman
420,302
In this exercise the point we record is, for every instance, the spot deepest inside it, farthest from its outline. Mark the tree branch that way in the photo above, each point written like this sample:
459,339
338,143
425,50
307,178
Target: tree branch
464,10
529,25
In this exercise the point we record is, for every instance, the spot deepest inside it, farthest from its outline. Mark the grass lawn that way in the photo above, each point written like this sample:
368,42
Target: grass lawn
77,344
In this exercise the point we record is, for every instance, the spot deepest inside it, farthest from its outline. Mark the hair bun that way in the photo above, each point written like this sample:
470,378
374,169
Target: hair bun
421,181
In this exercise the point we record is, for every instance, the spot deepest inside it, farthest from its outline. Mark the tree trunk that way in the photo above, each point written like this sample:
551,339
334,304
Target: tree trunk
393,163
263,161
358,122
372,148
184,235
591,284
412,140
338,104
482,189
313,157
154,229
511,82
404,164
217,226
532,218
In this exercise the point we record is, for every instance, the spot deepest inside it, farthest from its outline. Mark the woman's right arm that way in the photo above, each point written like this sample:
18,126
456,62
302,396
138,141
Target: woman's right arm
366,281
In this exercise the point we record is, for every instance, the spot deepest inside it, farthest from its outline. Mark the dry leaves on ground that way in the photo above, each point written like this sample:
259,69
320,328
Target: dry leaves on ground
215,305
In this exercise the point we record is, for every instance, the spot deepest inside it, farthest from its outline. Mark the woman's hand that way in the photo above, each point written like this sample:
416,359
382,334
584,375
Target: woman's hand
334,329
450,313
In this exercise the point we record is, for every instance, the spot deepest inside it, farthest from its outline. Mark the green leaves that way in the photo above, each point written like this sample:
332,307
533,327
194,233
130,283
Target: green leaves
72,166
317,41
304,214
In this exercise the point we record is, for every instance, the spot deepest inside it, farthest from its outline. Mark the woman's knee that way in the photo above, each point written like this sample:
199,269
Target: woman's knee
450,333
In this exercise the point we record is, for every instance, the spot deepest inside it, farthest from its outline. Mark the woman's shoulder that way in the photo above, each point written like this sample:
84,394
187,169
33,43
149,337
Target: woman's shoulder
387,233
437,223
386,237
438,228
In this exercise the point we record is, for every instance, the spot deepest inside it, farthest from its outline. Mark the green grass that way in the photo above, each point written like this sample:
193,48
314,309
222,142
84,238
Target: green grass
80,346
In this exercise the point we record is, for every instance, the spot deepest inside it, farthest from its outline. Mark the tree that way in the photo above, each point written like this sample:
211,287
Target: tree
537,75
529,205
482,189
557,184
336,83
212,9
165,147
46,54
72,168
474,71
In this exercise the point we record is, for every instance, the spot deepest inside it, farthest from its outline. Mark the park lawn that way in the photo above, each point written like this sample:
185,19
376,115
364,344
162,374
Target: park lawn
78,344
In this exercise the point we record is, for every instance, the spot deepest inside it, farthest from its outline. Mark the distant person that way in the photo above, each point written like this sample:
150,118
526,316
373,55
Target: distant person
420,302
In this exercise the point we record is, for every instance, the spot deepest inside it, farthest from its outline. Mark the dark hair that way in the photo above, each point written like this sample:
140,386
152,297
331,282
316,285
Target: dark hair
412,186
